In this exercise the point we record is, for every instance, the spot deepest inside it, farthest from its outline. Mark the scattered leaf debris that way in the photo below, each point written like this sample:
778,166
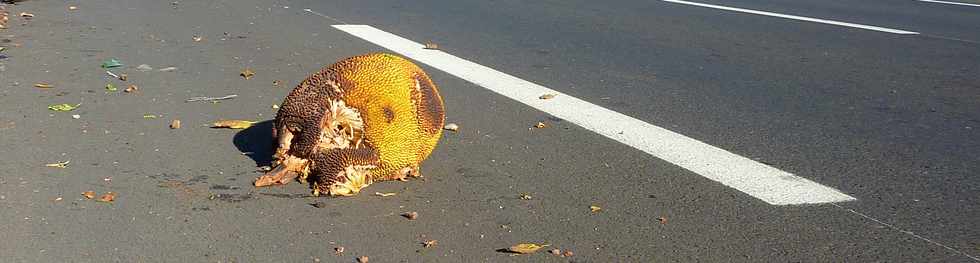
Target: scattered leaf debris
175,124
430,243
132,88
595,208
338,250
89,194
111,63
384,194
64,107
107,197
547,96
247,73
431,45
525,248
43,85
525,196
540,125
451,127
662,220
411,215
232,124
362,259
58,164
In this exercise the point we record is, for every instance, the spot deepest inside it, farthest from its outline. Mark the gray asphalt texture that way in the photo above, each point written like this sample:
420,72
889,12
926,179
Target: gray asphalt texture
891,120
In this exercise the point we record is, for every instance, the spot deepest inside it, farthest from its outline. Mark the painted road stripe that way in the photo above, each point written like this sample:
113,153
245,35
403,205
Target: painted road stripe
756,179
949,3
801,18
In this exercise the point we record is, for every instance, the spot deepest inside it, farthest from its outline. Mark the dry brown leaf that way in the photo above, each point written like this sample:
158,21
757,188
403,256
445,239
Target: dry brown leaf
451,127
595,208
132,88
338,250
362,259
430,45
430,243
89,194
411,215
525,248
108,197
232,124
540,125
123,77
175,124
247,73
663,220
43,85
384,194
568,253
547,96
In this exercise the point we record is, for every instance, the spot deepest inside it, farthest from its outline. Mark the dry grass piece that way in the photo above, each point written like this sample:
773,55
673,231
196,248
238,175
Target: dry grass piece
525,248
43,85
232,124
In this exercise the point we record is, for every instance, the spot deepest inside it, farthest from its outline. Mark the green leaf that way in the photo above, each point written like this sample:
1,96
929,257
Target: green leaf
111,63
111,88
64,107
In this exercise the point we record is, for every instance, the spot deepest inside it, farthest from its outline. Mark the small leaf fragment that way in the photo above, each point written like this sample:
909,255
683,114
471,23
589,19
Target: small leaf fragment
150,116
525,196
132,88
362,259
662,220
430,45
595,208
276,83
107,197
430,243
247,73
338,250
547,96
89,194
63,107
58,164
411,215
168,69
198,38
525,248
175,124
556,252
384,194
26,15
540,125
232,124
110,88
451,127
568,253
72,8
123,77
43,85
111,63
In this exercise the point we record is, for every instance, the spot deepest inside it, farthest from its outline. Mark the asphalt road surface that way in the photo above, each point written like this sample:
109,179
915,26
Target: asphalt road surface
876,101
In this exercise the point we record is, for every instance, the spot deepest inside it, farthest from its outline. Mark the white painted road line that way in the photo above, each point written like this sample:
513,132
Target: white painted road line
761,181
801,18
949,3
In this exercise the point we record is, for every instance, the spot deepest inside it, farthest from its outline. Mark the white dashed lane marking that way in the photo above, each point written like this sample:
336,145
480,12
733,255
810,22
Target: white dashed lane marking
761,181
949,3
801,18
